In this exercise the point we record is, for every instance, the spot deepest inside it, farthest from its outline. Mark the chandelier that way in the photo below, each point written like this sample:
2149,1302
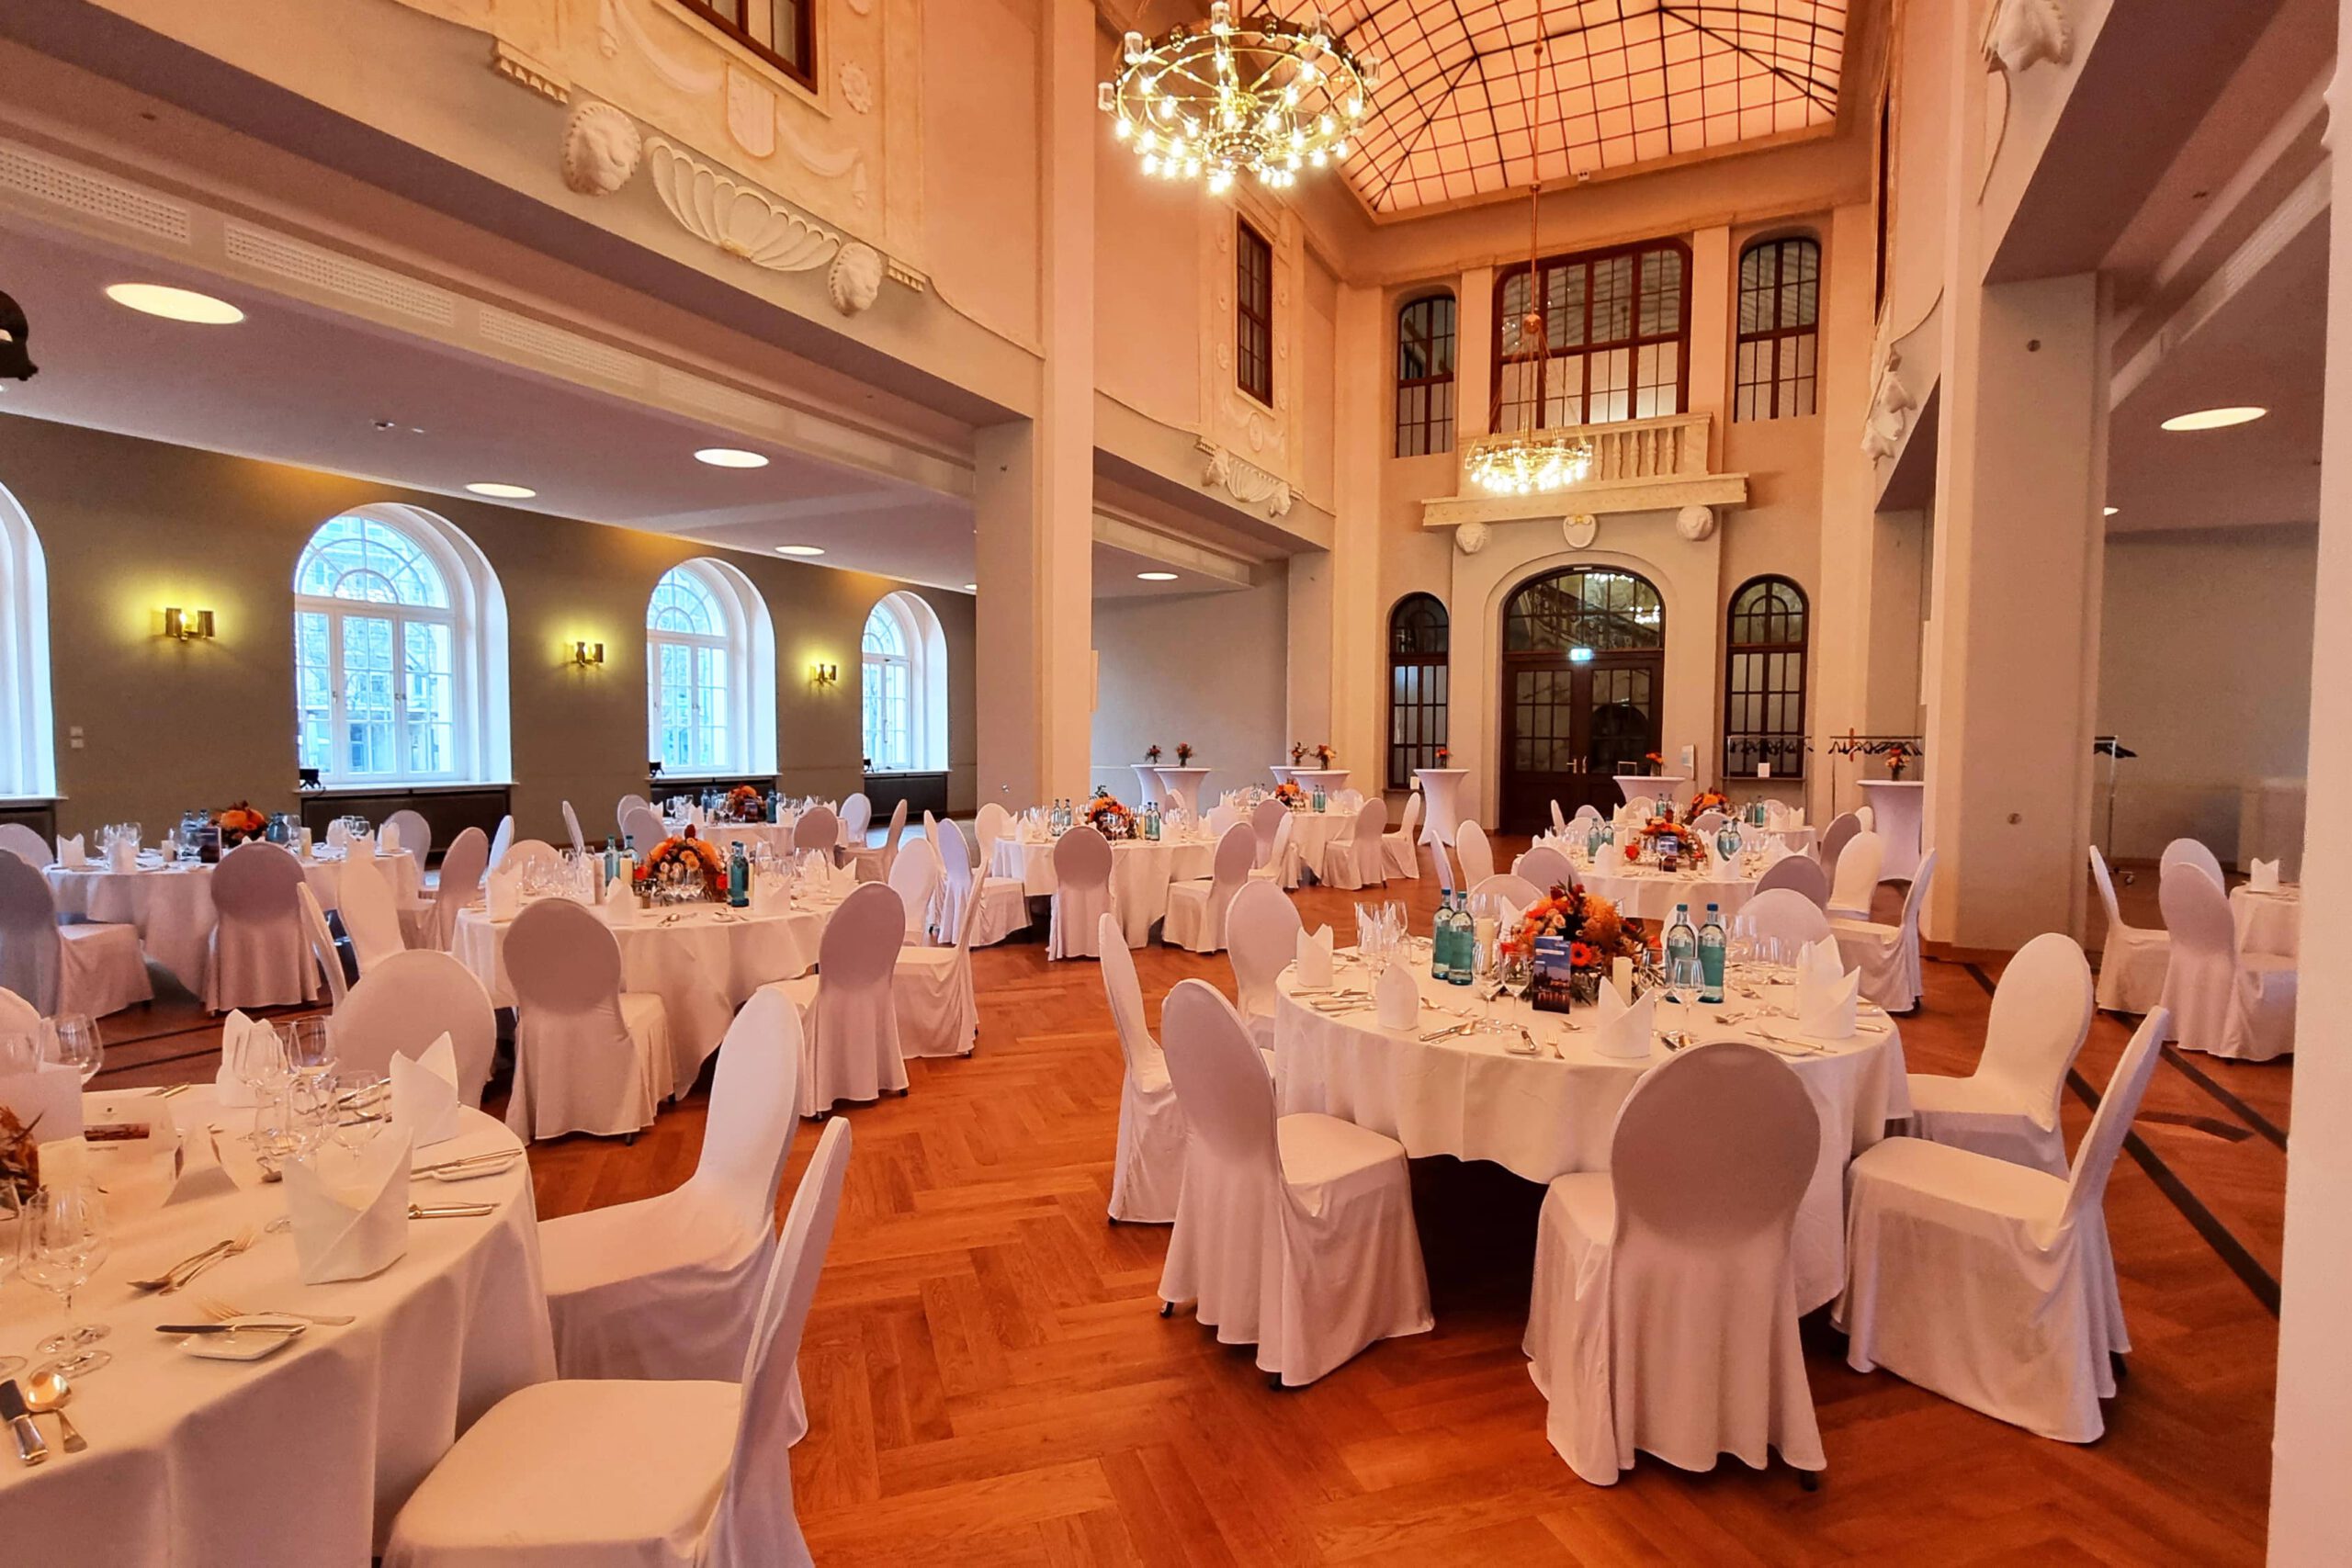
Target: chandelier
1264,95
1533,460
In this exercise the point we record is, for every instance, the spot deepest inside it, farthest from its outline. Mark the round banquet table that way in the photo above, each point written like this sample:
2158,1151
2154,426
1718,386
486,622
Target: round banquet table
1645,893
1310,831
1650,784
170,902
777,836
2268,922
1440,795
1541,1117
1141,870
704,961
300,1459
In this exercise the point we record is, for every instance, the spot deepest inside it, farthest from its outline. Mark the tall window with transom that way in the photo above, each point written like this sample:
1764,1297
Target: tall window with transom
376,698
691,651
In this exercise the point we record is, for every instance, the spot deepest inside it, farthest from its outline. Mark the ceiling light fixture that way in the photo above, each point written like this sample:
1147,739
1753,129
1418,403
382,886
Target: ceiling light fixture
502,492
972,588
1264,95
1155,576
175,304
2109,511
2215,419
799,550
730,458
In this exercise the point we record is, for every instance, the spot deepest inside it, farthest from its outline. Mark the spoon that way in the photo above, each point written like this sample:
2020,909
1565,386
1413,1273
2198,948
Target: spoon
46,1392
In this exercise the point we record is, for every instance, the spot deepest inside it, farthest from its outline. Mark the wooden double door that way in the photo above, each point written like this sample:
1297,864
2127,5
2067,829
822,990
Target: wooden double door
1583,691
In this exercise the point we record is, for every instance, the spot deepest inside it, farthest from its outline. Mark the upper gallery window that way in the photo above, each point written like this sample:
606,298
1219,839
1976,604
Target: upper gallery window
1425,376
1616,325
782,31
1780,307
1253,312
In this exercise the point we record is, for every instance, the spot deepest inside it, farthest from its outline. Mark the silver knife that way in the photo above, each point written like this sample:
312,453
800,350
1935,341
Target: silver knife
449,1210
31,1449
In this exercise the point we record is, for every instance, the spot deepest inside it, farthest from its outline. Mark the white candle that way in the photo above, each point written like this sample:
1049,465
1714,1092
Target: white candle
1621,975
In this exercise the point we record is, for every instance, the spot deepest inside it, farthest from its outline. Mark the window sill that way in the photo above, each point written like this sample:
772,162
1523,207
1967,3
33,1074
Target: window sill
435,787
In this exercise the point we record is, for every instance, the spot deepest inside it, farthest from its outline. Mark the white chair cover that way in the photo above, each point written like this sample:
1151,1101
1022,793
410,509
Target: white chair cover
413,833
1262,940
957,878
1281,864
1788,915
990,823
1224,819
403,1005
848,1017
1797,874
1403,860
1709,823
1356,856
1559,822
1866,818
1664,1315
1446,881
1855,882
873,864
370,914
939,1015
2131,961
501,840
642,830
1148,1170
589,1058
1587,812
530,854
1266,820
572,827
667,1287
1196,910
1548,868
1988,1283
1842,827
1081,891
817,828
1888,956
857,816
1004,901
1477,854
1508,886
260,956
18,1016
323,950
2221,1001
2008,1108
915,876
629,802
1293,1233
2192,851
27,845
87,968
460,883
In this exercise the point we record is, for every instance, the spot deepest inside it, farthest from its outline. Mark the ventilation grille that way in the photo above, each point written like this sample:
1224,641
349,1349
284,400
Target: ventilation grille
95,195
681,387
330,273
557,346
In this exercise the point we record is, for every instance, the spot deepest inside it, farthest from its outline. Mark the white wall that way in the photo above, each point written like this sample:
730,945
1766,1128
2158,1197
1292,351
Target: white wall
1206,668
2205,664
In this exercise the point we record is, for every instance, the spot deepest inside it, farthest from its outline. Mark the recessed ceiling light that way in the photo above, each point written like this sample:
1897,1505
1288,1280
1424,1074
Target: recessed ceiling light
2109,512
175,304
1155,576
972,588
730,458
502,492
799,550
2214,419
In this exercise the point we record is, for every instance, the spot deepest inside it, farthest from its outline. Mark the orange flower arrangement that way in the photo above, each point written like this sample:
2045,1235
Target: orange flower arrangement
1183,753
1107,816
1595,930
239,822
1323,755
1896,757
1708,800
745,803
697,854
1290,793
19,1156
1691,846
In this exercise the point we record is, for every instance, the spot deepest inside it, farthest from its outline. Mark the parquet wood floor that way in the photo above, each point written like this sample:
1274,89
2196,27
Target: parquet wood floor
989,1381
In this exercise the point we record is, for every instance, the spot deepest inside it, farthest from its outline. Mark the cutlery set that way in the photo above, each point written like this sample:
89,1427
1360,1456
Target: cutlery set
178,1275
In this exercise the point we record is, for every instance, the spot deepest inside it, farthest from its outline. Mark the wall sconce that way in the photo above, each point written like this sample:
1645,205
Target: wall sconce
187,625
587,655
824,674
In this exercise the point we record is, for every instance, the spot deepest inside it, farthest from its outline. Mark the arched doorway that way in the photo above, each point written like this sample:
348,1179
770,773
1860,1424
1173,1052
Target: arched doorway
1583,689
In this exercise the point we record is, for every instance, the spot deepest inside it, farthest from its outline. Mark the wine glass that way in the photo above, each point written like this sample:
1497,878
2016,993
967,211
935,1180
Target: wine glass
62,1247
309,1045
1486,970
259,1061
1685,980
1518,971
73,1041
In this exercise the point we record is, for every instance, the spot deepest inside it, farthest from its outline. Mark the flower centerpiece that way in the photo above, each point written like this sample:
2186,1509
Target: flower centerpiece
1183,753
1298,752
19,1159
238,823
1107,816
1663,836
1896,756
1444,756
1657,762
1151,753
1708,800
1323,755
686,863
745,803
1596,934
1289,795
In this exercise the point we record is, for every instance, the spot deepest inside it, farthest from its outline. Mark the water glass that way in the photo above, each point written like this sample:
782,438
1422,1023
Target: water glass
61,1248
72,1040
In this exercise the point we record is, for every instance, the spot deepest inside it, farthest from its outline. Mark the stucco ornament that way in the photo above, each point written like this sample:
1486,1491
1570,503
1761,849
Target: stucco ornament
1579,529
2020,34
601,147
1890,415
1695,523
855,278
857,87
1470,538
1245,481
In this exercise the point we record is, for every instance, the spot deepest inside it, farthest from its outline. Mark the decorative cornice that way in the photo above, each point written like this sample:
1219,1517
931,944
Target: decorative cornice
519,68
1597,499
1245,481
750,224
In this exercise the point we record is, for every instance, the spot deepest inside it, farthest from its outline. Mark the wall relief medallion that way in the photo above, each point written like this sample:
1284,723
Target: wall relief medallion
1470,538
855,278
1579,529
2020,34
1696,523
1244,480
857,87
601,149
1890,415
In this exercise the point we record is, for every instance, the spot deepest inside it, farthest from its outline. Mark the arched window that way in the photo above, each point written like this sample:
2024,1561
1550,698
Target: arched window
1416,685
709,673
1779,310
28,730
400,653
904,685
1764,686
1425,377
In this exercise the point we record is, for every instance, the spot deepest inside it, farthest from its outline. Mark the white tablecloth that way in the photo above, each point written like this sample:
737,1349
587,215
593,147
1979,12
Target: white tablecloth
1542,1117
703,963
300,1459
1647,894
1441,802
1310,831
2269,922
777,836
1141,870
171,904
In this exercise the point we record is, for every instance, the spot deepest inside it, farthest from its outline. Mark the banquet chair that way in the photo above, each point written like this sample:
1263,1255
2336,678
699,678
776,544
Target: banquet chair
1477,856
19,1018
87,966
1796,874
2223,1000
572,827
848,1021
460,883
2192,851
529,855
1148,1170
1547,868
1293,1233
1587,812
939,1015
1266,820
403,1005
1004,900
915,875
371,916
2008,1107
1788,916
1223,819
1403,856
1446,881
857,816
260,956
957,879
1559,822
502,842
1354,857
873,864
1710,823
1888,956
589,1056
594,1472
1261,940
817,828
667,1287
1280,866
1664,1313
1641,807
1990,1283
2132,959
324,951
27,845
1842,827
629,802
1854,881
1081,891
415,835
642,830
1866,817
1174,803
1510,886
1197,909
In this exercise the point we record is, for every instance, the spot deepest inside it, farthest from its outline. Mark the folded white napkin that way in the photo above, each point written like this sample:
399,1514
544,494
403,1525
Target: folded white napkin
1775,852
1625,1030
124,856
620,904
1796,817
71,853
424,1094
769,892
232,1090
1824,1004
1398,998
350,1212
1315,959
843,879
504,893
388,843
48,1100
2262,876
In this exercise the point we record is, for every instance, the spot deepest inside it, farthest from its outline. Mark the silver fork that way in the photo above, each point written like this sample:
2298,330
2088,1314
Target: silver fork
187,1276
221,1312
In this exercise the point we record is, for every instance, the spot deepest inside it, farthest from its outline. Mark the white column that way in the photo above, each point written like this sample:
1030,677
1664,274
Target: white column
1474,354
1847,585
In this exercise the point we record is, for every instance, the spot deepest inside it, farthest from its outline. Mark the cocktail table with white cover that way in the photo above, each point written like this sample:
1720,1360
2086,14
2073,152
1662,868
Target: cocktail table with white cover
1332,780
1193,782
1441,788
1651,785
1147,784
1897,807
302,1459
1141,870
703,960
1541,1117
2270,921
170,902
1645,893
